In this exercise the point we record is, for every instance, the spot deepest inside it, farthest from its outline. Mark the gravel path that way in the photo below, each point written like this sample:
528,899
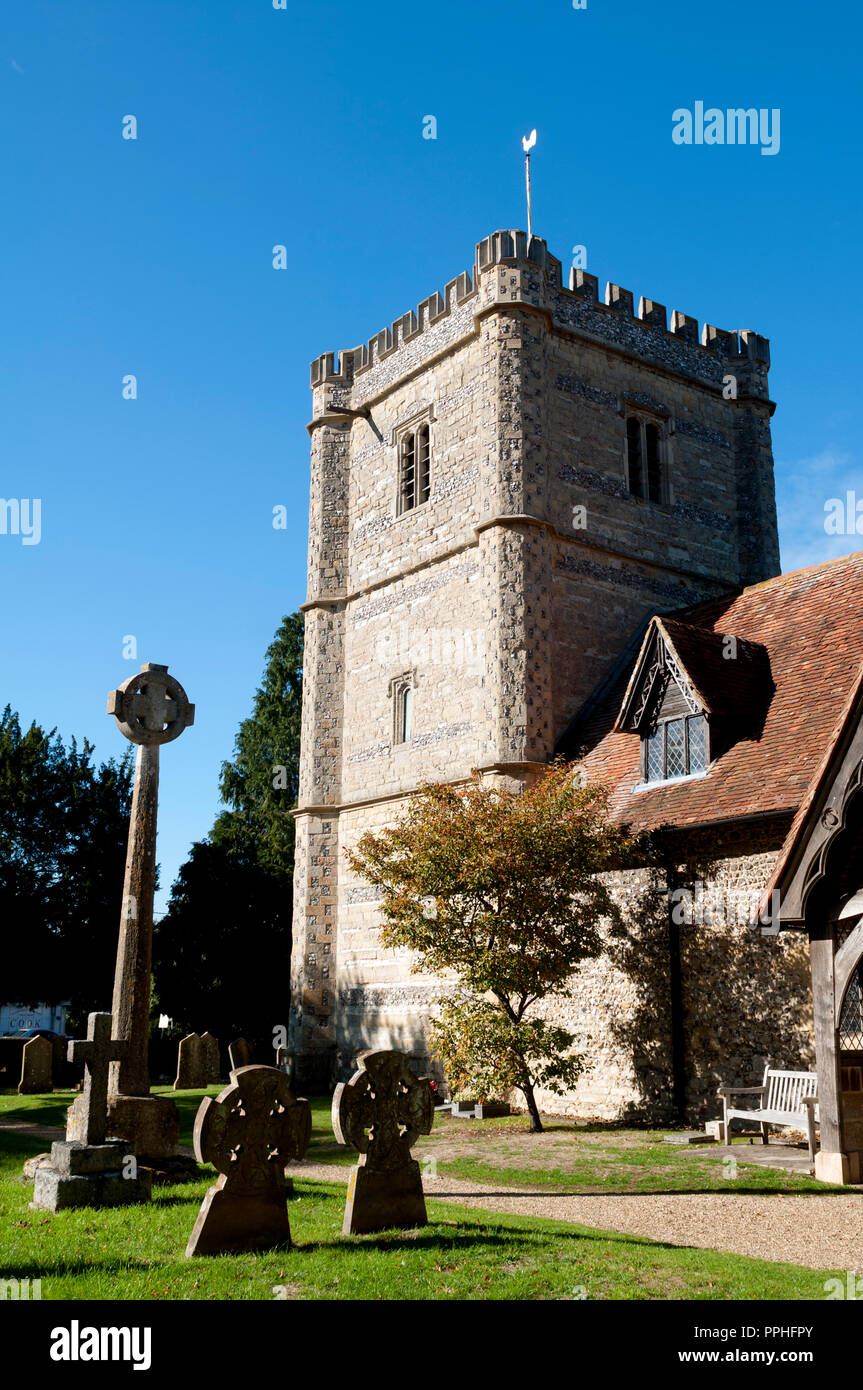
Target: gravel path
818,1230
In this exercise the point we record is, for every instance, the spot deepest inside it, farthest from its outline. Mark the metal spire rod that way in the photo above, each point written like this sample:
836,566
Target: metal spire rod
527,143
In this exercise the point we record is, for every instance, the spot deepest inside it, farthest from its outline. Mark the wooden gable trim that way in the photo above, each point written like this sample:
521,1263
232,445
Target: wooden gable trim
657,664
822,816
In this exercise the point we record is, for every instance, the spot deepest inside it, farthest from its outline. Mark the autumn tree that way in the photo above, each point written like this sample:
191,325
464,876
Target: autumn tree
499,888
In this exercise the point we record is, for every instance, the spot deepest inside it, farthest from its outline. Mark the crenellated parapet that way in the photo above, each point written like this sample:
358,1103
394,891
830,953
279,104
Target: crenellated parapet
340,369
511,268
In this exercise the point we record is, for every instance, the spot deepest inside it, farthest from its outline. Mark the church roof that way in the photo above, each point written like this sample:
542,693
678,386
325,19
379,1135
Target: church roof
783,710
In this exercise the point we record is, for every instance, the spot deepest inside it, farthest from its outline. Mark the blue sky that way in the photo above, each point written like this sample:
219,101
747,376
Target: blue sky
303,126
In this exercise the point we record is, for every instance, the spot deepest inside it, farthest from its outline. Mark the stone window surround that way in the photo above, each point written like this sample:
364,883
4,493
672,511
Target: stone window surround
411,425
648,415
406,680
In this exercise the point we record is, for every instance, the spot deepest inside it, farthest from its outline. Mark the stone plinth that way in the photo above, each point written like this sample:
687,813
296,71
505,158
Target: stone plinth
90,1175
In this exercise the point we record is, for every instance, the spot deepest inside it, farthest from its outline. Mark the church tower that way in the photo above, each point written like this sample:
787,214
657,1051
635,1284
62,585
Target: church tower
504,484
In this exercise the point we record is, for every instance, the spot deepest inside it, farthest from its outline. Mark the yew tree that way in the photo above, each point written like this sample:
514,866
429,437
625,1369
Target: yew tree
500,890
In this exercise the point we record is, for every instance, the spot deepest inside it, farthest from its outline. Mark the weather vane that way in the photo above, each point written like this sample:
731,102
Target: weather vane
527,143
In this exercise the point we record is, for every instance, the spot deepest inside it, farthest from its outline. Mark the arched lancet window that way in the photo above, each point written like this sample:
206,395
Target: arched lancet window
408,473
654,472
414,468
633,455
423,464
405,714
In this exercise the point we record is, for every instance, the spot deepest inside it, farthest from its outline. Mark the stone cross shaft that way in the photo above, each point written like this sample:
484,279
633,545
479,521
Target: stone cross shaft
97,1053
151,708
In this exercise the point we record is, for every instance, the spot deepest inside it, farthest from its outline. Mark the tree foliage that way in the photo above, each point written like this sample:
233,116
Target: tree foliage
64,824
501,888
222,951
260,783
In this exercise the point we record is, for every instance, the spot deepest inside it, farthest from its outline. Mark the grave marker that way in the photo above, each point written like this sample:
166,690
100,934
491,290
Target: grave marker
92,1170
248,1132
381,1112
36,1061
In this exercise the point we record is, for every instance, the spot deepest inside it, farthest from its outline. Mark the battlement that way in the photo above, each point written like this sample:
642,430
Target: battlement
576,306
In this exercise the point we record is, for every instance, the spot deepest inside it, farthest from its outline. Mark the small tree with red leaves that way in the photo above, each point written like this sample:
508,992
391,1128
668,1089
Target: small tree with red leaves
501,889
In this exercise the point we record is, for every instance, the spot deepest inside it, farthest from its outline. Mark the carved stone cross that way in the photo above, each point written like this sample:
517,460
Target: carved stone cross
252,1129
248,1132
381,1112
151,708
97,1053
387,1100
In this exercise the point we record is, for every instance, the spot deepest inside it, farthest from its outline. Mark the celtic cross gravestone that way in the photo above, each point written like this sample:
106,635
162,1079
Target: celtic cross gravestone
248,1132
381,1112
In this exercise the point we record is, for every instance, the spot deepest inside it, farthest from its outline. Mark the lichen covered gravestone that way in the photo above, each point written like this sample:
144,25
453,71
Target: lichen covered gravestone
211,1058
36,1061
92,1170
381,1112
248,1132
191,1064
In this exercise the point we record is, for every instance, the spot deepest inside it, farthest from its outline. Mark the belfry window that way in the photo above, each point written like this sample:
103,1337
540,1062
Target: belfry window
405,715
414,468
675,748
402,696
644,457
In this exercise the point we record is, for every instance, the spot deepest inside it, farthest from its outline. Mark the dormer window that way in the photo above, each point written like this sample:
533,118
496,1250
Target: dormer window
645,456
675,748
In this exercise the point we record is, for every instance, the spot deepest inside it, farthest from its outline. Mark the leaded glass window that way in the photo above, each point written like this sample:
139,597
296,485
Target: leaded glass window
655,763
676,748
851,1022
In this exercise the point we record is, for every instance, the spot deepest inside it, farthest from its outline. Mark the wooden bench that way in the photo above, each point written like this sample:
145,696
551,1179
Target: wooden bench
787,1098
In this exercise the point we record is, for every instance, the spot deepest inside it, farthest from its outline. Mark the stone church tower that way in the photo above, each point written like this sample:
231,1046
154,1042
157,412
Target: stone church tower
504,484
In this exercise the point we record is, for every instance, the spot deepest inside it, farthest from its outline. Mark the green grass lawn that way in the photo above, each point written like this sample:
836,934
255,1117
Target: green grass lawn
136,1252
594,1158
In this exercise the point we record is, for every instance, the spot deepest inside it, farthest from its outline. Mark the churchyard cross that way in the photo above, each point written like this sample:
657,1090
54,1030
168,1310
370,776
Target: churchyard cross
97,1053
151,708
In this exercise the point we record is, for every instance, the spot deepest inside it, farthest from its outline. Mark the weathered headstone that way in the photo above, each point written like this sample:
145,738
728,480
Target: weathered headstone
93,1171
248,1132
150,708
36,1062
239,1054
191,1064
212,1064
381,1112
